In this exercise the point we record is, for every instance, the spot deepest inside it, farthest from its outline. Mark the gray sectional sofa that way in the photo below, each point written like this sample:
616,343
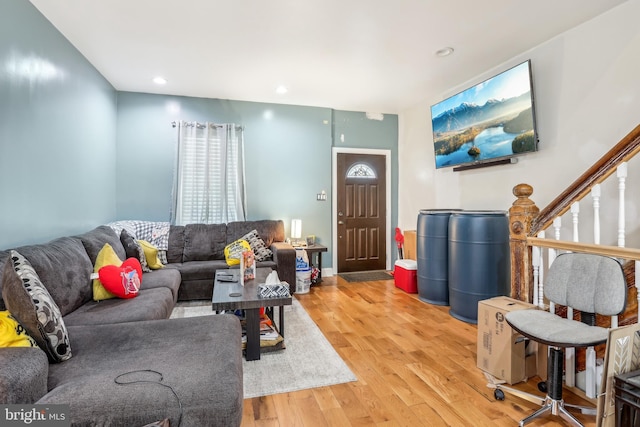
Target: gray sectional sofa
130,364
197,250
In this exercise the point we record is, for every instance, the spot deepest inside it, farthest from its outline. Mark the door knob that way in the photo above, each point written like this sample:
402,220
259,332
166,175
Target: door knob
340,222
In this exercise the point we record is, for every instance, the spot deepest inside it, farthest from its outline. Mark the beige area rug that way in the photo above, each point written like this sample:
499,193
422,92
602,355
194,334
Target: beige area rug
308,361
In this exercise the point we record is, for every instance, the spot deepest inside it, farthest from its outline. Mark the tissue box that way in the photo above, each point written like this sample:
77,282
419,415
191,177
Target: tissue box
275,290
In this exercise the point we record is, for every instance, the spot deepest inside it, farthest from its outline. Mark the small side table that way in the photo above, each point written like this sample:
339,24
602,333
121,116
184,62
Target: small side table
317,251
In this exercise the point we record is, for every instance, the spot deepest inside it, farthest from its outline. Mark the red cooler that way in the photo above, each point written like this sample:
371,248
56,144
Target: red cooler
405,274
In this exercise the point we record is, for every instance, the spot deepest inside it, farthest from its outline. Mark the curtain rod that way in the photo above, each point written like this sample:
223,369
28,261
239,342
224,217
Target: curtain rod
201,125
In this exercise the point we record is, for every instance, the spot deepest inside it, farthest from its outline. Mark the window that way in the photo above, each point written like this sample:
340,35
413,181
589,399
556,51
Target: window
360,170
209,178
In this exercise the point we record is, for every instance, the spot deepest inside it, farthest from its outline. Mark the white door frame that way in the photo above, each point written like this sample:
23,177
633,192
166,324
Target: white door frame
334,199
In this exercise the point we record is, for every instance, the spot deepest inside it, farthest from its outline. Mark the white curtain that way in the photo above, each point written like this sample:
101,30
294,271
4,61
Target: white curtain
209,183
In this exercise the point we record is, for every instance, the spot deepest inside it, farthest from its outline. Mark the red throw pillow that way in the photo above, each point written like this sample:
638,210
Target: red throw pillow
123,281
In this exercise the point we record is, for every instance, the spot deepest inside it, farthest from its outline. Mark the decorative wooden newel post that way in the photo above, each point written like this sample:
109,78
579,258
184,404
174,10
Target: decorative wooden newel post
521,214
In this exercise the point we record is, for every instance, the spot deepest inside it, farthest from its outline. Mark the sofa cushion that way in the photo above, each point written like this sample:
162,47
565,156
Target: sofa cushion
164,278
207,379
269,230
176,244
196,270
133,249
150,304
95,239
204,242
65,270
24,375
32,305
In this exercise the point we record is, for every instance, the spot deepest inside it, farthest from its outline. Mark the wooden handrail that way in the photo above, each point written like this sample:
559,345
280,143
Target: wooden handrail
527,221
624,150
589,248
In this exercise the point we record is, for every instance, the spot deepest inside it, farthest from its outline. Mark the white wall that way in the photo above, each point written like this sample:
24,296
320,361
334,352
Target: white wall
587,93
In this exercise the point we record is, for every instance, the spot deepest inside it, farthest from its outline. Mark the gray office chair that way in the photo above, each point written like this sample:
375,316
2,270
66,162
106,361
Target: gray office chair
593,284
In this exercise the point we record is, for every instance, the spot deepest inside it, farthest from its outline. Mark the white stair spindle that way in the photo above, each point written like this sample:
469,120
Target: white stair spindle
637,265
551,255
535,262
541,279
621,172
590,373
590,365
570,353
557,225
541,273
595,194
575,213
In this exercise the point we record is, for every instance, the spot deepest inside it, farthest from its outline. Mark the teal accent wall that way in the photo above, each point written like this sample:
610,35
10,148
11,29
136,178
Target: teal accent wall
75,153
287,157
57,133
355,130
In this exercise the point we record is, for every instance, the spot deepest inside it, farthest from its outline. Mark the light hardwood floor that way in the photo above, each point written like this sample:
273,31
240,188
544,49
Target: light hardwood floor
415,364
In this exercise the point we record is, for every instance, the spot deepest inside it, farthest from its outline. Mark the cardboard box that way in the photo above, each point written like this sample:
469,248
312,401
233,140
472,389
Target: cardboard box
541,358
502,351
409,247
530,365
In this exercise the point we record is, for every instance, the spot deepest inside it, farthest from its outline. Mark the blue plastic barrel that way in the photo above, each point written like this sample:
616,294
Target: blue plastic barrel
479,260
432,248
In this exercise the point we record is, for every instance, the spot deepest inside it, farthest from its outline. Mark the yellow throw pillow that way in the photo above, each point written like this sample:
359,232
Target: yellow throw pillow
12,334
151,254
233,251
106,256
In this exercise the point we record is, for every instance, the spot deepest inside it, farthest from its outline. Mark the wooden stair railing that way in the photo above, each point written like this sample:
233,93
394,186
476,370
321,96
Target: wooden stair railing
527,220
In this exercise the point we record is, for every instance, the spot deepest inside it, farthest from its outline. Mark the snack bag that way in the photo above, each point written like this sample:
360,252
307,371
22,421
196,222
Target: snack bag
248,265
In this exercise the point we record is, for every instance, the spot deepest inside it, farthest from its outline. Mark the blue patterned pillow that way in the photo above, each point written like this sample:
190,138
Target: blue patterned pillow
31,304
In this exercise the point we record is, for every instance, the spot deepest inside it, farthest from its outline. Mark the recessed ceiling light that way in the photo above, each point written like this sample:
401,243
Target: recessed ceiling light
160,80
445,51
281,90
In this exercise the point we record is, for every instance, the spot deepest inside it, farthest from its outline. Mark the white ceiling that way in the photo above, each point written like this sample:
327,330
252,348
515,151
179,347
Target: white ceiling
358,55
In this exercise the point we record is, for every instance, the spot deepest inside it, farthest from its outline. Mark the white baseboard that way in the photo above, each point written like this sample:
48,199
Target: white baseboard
326,272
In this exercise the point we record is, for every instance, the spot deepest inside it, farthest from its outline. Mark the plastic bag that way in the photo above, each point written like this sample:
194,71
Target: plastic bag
302,259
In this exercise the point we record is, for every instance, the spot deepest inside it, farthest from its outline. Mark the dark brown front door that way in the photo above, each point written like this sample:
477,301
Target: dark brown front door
361,192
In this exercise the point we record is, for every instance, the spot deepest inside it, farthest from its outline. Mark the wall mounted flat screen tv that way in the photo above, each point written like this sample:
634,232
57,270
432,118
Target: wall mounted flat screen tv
491,121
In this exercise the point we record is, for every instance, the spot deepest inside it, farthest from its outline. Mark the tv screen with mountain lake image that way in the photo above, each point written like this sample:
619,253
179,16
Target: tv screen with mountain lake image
494,119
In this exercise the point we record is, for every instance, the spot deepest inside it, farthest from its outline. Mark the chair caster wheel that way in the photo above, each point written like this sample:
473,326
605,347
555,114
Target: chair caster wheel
542,386
498,394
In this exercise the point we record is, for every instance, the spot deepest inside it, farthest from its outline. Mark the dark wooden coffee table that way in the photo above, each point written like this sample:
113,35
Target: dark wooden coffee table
234,296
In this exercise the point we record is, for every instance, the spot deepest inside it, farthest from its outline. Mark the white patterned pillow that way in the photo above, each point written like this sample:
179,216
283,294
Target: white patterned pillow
258,246
31,304
162,256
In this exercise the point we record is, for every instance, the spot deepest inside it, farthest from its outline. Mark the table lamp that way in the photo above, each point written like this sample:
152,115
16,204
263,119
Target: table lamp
296,232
